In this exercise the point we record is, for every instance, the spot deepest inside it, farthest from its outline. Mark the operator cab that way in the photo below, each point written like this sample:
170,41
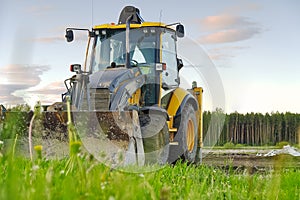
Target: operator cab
150,43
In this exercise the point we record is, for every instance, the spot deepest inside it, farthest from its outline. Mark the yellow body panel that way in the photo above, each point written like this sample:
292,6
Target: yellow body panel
198,91
176,100
135,99
123,26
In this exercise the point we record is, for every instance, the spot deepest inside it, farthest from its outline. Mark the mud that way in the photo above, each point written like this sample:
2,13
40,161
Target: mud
249,158
237,158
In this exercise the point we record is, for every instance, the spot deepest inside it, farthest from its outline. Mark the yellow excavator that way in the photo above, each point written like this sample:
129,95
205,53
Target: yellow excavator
126,97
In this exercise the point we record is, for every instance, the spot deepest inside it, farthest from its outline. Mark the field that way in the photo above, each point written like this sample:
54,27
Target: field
80,176
76,174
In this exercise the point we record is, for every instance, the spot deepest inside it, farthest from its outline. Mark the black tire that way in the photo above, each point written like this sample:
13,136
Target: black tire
155,135
186,137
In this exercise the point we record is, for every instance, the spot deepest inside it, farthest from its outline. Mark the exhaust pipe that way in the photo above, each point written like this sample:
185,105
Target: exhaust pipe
128,20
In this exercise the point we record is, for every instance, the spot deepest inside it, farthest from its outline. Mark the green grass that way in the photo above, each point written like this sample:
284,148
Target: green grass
50,179
80,176
282,144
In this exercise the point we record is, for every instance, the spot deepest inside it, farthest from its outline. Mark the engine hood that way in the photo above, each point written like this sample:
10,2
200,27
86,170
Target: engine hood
111,78
121,83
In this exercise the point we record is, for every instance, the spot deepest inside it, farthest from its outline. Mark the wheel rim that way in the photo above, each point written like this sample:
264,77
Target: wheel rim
190,135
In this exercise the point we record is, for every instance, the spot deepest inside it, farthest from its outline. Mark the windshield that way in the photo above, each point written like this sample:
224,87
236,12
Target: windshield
148,45
109,46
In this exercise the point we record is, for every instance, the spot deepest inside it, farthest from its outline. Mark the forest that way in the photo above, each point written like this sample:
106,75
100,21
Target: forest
254,129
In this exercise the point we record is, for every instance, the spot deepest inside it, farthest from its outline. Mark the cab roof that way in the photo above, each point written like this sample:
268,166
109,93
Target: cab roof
123,26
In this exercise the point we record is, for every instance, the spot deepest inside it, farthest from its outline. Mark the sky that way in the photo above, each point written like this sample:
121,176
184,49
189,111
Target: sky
252,47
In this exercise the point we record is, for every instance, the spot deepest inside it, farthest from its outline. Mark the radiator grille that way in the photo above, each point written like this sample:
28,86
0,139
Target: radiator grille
99,100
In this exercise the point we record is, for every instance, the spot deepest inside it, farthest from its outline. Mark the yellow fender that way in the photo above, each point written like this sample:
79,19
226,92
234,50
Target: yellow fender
178,100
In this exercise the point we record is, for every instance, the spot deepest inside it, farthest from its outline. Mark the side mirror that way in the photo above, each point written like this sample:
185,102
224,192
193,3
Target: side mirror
69,35
180,30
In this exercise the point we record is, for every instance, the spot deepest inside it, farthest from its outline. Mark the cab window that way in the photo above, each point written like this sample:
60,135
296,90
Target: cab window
170,75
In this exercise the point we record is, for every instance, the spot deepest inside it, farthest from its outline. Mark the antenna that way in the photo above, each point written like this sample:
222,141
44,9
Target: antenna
160,15
92,13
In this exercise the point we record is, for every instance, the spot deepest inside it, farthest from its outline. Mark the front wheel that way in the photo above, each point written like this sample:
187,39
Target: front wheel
186,137
155,135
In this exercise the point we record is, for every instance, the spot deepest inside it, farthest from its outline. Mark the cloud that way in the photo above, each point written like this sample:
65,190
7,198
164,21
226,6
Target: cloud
224,21
18,77
223,55
230,35
226,28
6,96
57,87
47,94
225,52
27,76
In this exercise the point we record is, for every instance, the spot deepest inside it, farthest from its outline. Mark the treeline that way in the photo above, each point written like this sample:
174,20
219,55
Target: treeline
251,128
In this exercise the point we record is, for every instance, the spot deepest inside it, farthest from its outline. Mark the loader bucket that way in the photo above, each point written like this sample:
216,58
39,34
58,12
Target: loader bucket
113,137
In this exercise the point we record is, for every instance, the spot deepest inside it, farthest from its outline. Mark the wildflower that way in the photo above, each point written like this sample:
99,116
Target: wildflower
35,167
103,184
38,149
141,175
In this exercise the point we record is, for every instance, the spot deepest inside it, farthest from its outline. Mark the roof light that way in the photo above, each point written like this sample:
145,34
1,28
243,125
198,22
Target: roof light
164,66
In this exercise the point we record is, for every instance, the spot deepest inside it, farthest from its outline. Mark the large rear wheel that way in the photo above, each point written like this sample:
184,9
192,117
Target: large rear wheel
186,138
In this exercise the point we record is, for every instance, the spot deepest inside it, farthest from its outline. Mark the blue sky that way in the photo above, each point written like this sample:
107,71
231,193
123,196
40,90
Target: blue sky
254,45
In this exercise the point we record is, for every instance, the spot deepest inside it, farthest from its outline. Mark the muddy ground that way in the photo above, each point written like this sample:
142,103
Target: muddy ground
237,158
249,158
